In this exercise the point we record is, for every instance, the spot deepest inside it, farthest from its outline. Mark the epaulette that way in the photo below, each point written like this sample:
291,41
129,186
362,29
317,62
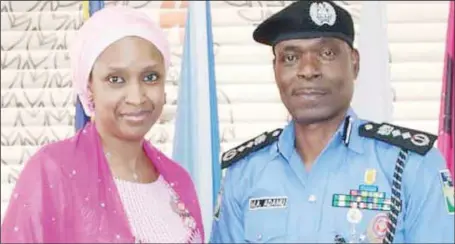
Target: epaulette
413,140
250,146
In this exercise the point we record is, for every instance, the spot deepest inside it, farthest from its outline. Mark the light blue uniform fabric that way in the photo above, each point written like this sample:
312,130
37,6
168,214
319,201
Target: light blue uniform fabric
278,171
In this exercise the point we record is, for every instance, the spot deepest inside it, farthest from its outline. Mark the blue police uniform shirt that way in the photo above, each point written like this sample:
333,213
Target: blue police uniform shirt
268,196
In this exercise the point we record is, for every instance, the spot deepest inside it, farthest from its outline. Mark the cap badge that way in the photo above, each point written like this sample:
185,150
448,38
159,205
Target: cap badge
322,13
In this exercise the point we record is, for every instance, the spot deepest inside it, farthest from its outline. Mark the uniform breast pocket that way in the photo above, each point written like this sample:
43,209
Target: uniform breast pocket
266,225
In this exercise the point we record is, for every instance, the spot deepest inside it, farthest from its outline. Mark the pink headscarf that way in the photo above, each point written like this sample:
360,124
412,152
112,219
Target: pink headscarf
102,29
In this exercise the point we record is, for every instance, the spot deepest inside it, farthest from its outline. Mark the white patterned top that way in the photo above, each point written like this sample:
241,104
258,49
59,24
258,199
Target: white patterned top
150,212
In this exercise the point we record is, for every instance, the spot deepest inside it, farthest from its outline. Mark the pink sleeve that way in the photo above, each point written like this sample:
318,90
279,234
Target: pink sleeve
34,212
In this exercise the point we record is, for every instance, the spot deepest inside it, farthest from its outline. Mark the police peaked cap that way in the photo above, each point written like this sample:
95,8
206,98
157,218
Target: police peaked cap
306,19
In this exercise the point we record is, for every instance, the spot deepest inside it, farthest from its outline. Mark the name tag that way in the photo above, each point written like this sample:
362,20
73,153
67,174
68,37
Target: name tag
268,202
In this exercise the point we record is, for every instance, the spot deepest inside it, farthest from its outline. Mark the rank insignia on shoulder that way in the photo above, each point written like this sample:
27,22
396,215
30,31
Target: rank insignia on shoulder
405,138
253,145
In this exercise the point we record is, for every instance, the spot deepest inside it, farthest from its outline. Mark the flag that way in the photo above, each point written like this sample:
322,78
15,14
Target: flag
196,139
88,8
446,139
373,99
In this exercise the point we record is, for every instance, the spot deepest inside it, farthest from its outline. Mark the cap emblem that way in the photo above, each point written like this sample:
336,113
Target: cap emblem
322,13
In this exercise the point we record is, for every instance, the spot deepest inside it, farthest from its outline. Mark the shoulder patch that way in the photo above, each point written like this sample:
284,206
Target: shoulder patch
250,146
413,140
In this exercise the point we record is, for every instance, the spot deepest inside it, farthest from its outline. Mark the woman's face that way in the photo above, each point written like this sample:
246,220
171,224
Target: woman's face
127,87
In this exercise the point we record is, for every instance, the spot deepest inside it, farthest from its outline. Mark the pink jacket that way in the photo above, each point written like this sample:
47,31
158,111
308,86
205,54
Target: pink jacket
66,194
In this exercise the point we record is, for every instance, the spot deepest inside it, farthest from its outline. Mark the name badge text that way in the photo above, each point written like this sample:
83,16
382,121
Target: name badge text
268,202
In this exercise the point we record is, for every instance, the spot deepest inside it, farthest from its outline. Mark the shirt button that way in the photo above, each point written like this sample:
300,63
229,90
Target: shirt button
312,198
259,237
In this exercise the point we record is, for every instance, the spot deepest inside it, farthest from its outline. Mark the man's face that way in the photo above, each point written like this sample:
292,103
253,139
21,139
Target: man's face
315,77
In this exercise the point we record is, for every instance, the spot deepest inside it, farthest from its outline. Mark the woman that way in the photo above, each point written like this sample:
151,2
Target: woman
106,184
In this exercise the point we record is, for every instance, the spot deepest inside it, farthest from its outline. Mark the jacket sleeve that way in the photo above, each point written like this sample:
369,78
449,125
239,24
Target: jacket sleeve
227,224
33,214
430,210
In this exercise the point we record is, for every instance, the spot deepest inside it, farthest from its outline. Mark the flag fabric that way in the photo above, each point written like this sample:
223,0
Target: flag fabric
373,98
446,139
88,8
196,139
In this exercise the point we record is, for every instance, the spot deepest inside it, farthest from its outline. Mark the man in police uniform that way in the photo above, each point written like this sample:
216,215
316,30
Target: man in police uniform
328,176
